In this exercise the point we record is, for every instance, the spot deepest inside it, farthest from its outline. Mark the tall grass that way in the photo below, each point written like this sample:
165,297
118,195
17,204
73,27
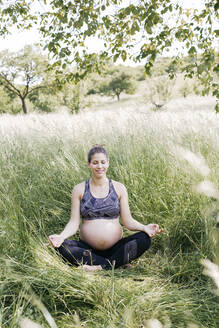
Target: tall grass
44,156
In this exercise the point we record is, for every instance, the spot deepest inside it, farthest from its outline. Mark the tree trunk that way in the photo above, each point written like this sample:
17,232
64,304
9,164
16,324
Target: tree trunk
118,96
24,105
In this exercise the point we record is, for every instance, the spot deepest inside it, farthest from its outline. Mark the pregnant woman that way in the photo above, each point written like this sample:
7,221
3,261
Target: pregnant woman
98,203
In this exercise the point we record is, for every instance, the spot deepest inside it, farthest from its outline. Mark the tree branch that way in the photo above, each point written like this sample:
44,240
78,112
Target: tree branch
39,87
9,85
28,80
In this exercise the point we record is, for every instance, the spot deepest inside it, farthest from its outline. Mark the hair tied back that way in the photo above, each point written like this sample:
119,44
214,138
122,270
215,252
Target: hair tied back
97,145
97,148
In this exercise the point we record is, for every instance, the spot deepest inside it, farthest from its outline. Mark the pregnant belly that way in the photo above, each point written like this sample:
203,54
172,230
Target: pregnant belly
101,234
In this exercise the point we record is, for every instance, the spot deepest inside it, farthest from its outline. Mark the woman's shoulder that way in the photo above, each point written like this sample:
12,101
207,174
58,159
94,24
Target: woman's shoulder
119,187
118,184
78,189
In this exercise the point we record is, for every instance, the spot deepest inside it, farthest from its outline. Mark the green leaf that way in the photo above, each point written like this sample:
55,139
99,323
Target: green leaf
216,6
192,50
124,55
115,57
216,91
202,68
134,28
216,69
148,29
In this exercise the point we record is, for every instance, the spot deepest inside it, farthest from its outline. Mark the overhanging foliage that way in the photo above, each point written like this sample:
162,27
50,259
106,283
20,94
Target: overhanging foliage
141,31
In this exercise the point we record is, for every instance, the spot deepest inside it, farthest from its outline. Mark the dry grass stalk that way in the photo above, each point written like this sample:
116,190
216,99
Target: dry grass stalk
35,301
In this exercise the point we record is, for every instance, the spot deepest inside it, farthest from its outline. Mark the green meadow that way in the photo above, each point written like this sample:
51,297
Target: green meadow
169,162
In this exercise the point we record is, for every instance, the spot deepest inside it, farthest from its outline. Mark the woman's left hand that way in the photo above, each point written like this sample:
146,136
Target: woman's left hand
152,229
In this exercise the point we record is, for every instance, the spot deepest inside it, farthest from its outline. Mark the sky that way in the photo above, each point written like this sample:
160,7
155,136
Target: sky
17,40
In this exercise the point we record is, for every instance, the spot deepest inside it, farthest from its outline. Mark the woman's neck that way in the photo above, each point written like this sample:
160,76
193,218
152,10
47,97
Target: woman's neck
99,181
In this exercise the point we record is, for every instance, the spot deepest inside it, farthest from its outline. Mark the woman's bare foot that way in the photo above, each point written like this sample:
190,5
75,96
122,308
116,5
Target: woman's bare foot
92,267
127,266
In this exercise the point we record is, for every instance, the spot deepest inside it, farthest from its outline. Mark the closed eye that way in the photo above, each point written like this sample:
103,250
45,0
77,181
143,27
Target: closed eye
103,162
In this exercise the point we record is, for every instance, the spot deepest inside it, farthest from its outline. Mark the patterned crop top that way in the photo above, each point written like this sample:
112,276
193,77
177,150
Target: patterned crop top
92,208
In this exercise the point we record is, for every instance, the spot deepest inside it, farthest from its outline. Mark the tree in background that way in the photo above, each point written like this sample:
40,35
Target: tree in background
74,97
186,89
159,91
118,83
23,73
4,100
44,100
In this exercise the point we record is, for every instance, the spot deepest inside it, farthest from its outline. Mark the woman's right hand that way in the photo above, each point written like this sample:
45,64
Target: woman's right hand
152,229
56,240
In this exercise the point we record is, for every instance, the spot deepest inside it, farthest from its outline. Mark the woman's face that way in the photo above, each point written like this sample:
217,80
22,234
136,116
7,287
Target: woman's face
98,164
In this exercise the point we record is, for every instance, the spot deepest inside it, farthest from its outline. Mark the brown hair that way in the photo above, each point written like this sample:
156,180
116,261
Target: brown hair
96,149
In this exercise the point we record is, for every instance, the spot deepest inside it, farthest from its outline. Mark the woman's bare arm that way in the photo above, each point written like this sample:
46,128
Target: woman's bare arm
72,226
127,219
74,222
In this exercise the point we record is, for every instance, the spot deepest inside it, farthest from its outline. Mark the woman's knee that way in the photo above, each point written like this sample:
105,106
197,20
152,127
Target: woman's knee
143,240
64,249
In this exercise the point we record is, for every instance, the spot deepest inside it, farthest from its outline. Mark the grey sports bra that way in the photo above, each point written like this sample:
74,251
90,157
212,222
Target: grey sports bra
92,208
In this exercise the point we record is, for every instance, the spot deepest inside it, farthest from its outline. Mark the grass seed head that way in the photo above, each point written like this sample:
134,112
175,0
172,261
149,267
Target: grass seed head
197,162
207,188
27,323
211,270
153,323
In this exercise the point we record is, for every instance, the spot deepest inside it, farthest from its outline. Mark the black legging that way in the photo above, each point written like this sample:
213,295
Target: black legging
124,251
